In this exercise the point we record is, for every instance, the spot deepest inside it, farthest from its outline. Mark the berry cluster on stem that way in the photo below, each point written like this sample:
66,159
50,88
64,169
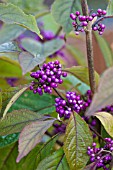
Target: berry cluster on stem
47,77
80,21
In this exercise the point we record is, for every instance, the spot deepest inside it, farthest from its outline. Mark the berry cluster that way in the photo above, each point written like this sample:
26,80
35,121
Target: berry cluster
101,156
73,103
80,21
59,128
48,77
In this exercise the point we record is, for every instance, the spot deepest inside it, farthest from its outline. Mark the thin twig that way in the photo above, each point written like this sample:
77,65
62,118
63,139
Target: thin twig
58,31
57,141
93,130
89,47
100,19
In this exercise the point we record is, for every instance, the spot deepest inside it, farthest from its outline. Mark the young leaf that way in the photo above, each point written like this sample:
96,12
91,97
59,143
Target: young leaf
82,74
104,95
107,121
45,150
76,141
13,99
41,104
61,12
8,139
31,135
38,52
110,8
55,161
11,14
106,51
15,121
10,32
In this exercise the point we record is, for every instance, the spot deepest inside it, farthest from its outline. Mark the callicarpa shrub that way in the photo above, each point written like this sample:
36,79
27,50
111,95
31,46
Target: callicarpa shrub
56,111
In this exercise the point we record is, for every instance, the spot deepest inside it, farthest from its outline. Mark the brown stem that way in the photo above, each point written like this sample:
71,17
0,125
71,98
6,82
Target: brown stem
89,47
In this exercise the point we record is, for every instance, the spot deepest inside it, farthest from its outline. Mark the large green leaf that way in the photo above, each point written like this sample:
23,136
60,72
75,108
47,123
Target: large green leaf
107,121
16,121
82,74
61,12
8,69
104,94
31,135
38,52
41,104
9,32
3,84
106,51
12,14
8,139
110,8
77,55
55,161
76,141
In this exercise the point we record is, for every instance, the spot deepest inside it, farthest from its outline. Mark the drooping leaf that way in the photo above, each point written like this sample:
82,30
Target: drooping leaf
12,14
13,99
110,8
8,47
55,161
76,141
41,104
82,74
8,69
31,135
46,149
15,121
38,52
107,121
61,12
104,94
8,139
106,51
77,55
9,32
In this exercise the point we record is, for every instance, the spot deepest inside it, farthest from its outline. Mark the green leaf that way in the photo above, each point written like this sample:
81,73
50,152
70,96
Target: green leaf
8,69
38,52
61,12
110,8
76,141
55,161
72,81
10,32
46,149
107,121
29,6
106,51
82,74
13,99
77,55
11,14
8,47
31,135
8,139
41,104
6,95
3,84
15,121
104,94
